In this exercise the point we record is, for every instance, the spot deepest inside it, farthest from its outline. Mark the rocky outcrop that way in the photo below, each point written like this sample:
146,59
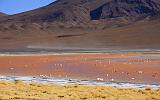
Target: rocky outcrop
126,8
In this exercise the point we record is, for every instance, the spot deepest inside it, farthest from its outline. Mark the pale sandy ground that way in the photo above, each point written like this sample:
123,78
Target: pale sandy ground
34,91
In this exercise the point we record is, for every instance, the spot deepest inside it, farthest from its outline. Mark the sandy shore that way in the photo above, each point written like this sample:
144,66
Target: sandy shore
34,91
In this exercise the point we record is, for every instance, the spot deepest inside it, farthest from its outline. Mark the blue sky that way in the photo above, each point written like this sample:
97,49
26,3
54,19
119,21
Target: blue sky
17,6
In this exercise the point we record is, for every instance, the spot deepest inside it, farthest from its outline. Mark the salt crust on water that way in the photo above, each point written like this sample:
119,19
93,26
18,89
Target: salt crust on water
74,81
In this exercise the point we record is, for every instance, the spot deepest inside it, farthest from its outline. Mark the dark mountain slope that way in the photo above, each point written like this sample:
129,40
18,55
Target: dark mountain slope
87,10
126,8
132,24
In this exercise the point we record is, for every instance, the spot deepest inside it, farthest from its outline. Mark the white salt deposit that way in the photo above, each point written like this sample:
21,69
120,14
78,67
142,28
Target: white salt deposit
74,81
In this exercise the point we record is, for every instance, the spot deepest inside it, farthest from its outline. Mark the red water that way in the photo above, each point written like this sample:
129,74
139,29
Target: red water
124,67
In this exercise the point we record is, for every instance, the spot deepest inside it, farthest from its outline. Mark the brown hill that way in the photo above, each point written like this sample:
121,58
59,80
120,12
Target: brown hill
84,11
132,24
2,14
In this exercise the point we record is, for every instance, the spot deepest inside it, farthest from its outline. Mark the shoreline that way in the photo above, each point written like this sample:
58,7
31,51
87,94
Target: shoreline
80,76
75,53
65,81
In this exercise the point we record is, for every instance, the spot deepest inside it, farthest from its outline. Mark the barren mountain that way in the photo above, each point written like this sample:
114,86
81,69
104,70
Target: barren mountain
84,11
131,24
2,14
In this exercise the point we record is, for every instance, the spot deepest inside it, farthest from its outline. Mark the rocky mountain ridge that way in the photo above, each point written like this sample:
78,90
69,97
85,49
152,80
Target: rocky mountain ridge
116,24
